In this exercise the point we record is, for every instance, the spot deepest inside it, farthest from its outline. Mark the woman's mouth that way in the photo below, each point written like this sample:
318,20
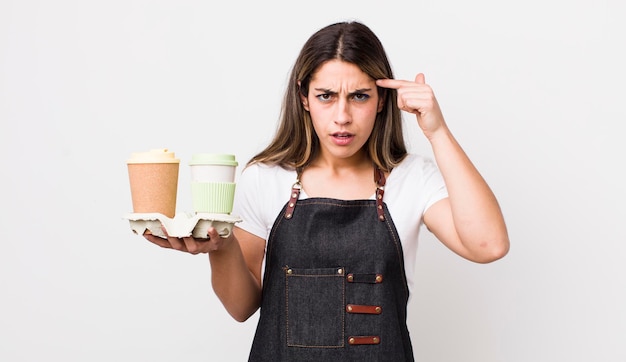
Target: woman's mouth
342,138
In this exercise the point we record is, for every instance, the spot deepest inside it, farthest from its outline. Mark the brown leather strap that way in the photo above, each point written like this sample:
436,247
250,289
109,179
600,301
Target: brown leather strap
379,177
363,309
355,340
295,193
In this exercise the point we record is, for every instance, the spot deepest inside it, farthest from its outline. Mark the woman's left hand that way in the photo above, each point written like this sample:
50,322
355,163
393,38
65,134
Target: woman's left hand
189,244
418,98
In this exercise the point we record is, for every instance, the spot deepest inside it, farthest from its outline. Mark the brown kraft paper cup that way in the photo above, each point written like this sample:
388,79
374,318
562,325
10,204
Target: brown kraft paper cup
154,185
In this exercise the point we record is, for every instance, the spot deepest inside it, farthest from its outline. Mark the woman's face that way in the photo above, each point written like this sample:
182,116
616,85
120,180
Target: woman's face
343,103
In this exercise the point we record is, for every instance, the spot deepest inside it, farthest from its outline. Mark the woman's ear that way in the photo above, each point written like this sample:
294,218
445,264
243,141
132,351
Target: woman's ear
305,102
381,104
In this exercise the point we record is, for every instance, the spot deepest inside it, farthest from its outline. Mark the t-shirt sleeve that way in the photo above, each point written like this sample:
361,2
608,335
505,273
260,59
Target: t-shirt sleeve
434,185
248,201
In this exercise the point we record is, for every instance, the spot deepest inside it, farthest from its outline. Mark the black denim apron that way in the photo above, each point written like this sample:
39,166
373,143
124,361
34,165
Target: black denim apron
334,287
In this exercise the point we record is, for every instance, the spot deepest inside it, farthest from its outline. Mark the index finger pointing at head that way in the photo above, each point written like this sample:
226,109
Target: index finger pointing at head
390,83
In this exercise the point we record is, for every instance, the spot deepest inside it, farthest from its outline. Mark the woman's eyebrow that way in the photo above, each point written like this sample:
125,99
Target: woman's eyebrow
356,91
325,90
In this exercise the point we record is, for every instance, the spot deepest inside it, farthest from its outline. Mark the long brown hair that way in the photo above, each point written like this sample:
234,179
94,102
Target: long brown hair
295,143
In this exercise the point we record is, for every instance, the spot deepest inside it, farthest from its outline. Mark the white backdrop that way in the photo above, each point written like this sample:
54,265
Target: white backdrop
533,90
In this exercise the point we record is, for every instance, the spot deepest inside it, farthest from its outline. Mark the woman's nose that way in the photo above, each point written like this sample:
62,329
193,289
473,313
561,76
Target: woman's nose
343,112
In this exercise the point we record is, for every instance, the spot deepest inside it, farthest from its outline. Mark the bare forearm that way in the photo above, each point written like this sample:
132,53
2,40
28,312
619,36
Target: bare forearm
475,211
233,283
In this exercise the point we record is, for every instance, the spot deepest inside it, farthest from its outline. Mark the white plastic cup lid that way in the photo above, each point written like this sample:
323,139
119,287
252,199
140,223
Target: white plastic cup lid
213,159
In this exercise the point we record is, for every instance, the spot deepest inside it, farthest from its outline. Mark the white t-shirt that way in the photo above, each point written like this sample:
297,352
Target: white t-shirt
412,187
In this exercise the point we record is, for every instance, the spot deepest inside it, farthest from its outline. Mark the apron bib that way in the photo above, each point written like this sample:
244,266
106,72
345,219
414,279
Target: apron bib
334,286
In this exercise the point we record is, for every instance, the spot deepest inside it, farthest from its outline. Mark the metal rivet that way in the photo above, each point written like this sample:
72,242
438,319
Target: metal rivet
380,196
349,308
288,216
379,278
375,339
378,309
382,218
291,204
289,271
351,340
350,277
294,195
380,207
340,271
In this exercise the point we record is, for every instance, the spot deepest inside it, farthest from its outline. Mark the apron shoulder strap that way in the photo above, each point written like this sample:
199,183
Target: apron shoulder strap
379,178
295,194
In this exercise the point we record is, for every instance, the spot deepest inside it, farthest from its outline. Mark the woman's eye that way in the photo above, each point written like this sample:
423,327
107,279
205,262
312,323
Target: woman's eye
325,97
361,97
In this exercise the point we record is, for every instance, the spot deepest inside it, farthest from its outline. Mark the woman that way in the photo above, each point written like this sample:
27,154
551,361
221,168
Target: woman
332,209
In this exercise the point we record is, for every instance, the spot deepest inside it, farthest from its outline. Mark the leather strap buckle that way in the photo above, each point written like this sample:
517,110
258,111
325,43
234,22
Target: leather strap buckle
379,177
295,194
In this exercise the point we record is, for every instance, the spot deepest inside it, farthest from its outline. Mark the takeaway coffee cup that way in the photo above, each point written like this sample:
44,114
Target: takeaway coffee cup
153,177
213,182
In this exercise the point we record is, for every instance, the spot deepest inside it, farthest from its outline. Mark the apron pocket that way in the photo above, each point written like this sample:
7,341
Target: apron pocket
315,307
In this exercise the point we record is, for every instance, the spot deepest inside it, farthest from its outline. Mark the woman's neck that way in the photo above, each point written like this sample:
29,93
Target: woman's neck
340,179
